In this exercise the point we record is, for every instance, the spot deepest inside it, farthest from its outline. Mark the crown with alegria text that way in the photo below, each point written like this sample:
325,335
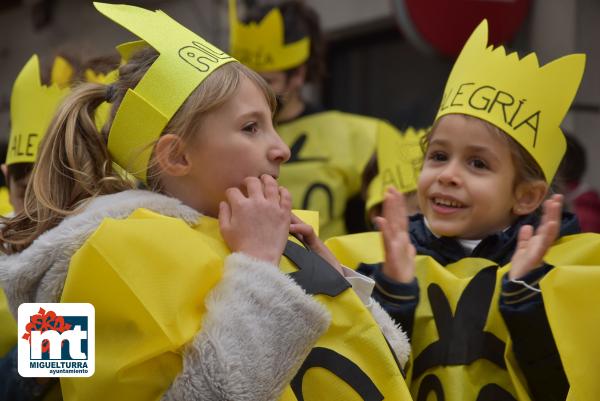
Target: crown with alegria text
185,60
399,161
525,100
261,45
32,107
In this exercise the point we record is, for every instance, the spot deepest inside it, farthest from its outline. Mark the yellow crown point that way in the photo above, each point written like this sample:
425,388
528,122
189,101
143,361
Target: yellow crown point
530,60
514,57
127,49
261,46
526,101
32,106
399,161
97,77
185,60
62,72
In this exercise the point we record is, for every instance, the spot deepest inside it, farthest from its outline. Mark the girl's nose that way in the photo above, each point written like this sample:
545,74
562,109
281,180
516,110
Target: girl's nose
450,175
279,151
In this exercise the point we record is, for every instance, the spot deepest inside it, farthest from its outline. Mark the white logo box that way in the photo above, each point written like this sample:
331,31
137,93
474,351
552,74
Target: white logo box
57,360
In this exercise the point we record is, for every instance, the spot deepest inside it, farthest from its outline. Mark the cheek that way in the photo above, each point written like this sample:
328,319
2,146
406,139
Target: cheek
421,195
424,181
234,172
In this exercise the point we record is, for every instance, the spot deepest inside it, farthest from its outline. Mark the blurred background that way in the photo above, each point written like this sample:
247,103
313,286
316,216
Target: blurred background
386,58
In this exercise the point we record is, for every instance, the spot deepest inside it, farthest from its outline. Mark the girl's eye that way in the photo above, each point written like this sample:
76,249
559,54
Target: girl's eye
437,156
251,128
478,164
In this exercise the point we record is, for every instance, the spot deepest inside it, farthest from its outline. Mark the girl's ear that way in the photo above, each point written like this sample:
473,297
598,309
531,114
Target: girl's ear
4,169
171,157
529,196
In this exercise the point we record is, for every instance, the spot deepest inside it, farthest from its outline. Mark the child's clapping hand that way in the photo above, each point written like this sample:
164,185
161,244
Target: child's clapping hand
399,251
532,246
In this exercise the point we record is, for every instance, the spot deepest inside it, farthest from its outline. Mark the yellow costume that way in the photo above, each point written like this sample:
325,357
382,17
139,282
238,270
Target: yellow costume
462,336
144,320
329,152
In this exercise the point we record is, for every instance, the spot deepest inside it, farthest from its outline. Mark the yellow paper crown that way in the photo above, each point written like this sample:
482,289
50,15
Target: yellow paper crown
399,161
97,77
32,106
185,60
261,46
526,101
62,72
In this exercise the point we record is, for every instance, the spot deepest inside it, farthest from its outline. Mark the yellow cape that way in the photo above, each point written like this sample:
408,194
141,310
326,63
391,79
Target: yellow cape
570,298
148,290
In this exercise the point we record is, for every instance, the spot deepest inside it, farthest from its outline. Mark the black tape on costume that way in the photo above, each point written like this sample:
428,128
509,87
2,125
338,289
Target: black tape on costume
315,276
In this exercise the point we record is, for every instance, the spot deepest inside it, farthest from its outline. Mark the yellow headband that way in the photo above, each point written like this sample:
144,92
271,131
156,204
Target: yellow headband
261,46
399,161
526,101
32,106
185,60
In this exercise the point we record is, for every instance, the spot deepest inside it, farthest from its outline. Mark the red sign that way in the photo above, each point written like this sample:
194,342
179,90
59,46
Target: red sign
445,25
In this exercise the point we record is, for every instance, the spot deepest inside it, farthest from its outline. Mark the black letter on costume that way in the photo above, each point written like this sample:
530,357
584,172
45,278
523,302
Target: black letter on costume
493,392
297,146
428,384
462,340
340,366
315,276
309,192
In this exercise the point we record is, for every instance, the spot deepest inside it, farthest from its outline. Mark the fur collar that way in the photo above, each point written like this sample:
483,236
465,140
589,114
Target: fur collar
38,273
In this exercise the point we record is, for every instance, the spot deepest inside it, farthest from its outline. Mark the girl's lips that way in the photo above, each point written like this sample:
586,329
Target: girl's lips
445,208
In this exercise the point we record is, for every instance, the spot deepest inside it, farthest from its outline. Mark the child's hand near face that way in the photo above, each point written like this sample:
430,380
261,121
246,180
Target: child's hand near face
532,247
257,224
309,237
399,251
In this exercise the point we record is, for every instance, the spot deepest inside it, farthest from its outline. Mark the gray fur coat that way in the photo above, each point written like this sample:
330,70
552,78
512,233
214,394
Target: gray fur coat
242,353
